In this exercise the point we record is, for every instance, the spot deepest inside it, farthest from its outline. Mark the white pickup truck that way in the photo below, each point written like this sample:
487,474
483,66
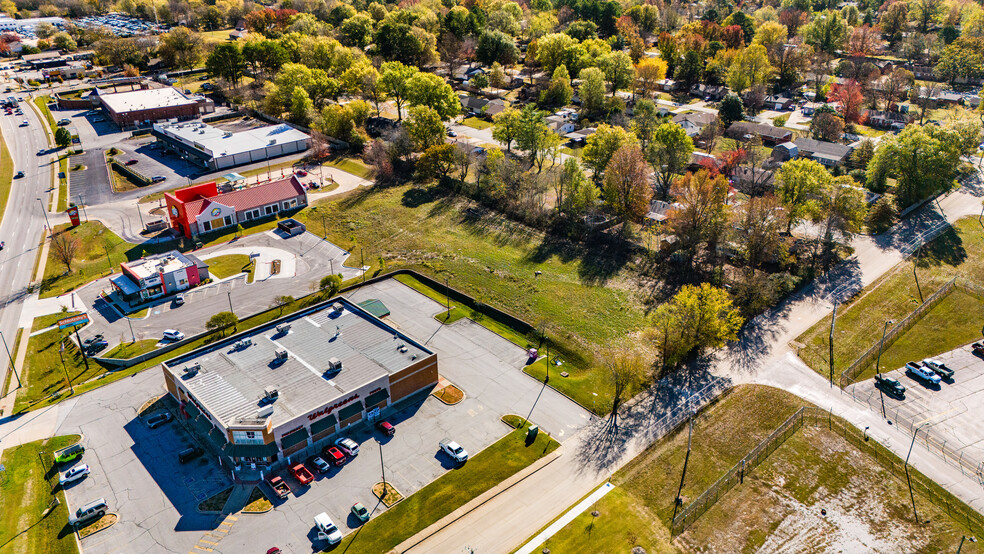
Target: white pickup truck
454,450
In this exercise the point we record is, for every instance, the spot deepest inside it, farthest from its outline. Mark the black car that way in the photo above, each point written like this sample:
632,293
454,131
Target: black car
889,385
189,454
93,339
158,420
19,175
96,346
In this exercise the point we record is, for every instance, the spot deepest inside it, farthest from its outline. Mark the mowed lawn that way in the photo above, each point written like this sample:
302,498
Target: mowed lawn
25,494
46,368
958,252
481,472
777,506
100,250
228,265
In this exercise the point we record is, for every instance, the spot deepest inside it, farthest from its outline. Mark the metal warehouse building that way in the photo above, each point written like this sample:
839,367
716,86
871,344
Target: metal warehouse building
216,149
283,389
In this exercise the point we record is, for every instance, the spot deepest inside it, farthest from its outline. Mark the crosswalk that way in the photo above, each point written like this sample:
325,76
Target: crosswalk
210,539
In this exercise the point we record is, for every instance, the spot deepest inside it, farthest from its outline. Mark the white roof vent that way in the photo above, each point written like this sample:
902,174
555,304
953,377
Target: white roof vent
334,364
265,411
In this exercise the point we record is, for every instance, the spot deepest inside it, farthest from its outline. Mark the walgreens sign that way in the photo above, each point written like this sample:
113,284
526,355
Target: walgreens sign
329,409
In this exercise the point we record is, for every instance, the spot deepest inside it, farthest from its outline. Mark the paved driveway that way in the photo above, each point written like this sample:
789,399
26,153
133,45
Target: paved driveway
313,259
950,411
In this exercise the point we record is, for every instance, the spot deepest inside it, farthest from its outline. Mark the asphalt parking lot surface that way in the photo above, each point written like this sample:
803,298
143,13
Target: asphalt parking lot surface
135,469
314,258
950,411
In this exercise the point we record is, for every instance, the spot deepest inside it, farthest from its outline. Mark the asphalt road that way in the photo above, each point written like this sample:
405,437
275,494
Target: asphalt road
23,222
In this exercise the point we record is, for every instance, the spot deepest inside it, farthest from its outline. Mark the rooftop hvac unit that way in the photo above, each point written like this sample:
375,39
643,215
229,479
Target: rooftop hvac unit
334,364
265,411
272,142
193,369
283,329
337,307
280,356
271,393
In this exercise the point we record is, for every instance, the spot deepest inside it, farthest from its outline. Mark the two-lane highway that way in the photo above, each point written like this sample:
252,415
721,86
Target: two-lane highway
23,221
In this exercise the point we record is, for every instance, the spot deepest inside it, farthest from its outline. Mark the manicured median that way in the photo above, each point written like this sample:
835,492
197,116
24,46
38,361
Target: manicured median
448,493
26,494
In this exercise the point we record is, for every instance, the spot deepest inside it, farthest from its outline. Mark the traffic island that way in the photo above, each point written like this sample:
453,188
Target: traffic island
258,503
105,522
392,495
215,503
448,393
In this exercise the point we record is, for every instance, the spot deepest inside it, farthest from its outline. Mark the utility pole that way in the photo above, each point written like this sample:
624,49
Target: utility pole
9,357
362,261
133,338
677,501
915,261
44,469
908,480
881,345
229,294
141,218
833,319
82,205
382,466
45,214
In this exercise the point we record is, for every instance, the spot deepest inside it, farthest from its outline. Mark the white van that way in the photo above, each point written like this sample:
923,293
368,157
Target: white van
327,529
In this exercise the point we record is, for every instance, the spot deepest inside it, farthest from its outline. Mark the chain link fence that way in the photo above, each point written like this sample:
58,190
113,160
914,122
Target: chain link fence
865,360
922,485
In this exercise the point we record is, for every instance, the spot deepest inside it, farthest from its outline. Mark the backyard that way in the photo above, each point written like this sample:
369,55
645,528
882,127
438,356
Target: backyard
26,491
957,252
777,508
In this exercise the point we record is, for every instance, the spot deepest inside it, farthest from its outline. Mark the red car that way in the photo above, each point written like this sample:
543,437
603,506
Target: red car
386,428
302,474
333,455
301,173
131,162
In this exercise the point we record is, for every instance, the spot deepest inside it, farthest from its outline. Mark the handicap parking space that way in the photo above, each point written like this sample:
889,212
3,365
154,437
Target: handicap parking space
949,410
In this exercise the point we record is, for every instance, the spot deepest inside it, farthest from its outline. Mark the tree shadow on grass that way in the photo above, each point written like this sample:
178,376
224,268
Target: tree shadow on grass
946,249
601,257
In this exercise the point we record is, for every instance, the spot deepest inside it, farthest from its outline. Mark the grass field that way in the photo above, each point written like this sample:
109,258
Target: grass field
221,35
45,321
25,494
46,369
476,123
354,166
959,251
495,261
42,103
228,265
131,349
6,175
455,488
98,246
776,509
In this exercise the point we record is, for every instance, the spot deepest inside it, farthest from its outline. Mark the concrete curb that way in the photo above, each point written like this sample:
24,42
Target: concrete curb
78,533
478,501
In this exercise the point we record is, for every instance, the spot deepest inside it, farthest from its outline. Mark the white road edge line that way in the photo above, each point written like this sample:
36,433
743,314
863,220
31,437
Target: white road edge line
565,519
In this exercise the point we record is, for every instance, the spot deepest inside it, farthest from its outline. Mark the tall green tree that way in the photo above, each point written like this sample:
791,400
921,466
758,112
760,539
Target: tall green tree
533,136
801,185
669,153
827,32
694,320
592,90
923,161
505,127
226,61
394,79
602,145
424,127
619,71
427,89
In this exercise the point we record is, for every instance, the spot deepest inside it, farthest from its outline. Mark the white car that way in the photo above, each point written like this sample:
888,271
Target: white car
25,123
74,474
173,334
348,446
454,450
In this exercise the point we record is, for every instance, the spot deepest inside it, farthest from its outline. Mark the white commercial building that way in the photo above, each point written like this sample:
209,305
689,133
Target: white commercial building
217,149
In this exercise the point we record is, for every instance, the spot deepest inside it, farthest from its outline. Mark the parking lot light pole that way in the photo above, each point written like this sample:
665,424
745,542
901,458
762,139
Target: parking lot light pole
11,358
45,214
382,466
881,345
908,480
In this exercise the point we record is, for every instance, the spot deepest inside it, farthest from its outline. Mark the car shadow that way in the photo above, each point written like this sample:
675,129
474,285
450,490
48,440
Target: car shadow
925,385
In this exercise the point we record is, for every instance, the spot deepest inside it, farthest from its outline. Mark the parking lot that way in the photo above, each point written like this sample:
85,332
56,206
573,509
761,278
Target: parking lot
950,411
135,469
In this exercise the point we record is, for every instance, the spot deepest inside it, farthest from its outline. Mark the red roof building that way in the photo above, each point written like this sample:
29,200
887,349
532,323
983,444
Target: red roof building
201,208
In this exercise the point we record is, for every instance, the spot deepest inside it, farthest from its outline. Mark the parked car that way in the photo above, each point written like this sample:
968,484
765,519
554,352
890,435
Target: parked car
157,179
978,348
25,123
890,386
454,450
386,428
333,455
18,175
189,454
301,173
64,121
74,474
42,152
320,464
158,420
327,529
302,474
173,334
179,300
89,512
348,446
938,368
279,486
69,453
360,512
452,133
89,341
132,162
96,346
923,374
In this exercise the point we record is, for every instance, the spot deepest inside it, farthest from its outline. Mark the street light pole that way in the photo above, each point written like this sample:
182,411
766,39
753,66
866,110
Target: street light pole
133,338
229,294
878,364
908,480
45,214
382,466
9,357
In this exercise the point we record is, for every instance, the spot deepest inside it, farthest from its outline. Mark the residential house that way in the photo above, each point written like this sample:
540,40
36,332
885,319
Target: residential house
700,160
581,135
887,120
830,154
668,85
658,211
495,107
753,180
693,122
560,125
778,103
785,151
472,105
745,130
711,93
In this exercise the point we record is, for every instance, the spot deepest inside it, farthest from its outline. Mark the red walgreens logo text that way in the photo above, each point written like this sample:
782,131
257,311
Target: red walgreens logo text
329,409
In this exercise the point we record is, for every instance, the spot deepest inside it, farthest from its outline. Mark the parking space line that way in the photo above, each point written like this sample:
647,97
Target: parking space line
203,548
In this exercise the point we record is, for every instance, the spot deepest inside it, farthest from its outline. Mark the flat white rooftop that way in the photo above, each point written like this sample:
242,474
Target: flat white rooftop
136,100
218,143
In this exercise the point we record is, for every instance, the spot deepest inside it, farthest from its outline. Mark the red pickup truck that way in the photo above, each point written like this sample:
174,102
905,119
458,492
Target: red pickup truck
302,474
279,486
